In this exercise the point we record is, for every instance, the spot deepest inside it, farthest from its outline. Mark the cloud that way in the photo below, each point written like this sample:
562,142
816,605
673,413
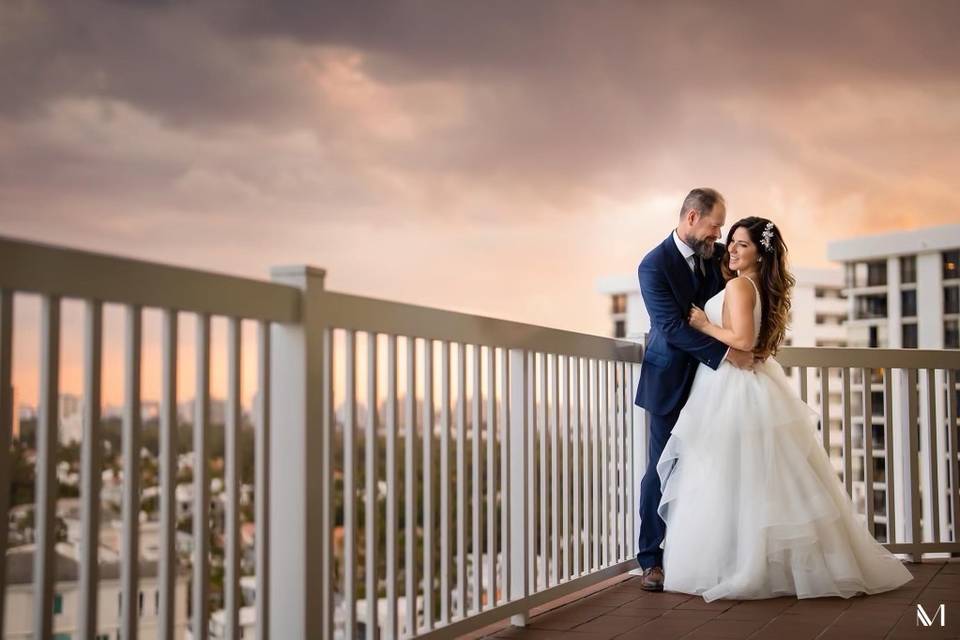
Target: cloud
521,147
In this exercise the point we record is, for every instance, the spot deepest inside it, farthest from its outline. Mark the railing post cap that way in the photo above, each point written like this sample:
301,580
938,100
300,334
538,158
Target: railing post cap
297,271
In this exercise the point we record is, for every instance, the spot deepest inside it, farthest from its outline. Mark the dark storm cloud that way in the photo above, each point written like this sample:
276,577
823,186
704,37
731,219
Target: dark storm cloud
550,102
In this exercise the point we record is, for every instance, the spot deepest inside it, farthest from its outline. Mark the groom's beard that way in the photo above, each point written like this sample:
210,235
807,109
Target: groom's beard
703,248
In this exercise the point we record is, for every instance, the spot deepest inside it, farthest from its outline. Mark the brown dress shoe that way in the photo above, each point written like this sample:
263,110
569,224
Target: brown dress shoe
652,579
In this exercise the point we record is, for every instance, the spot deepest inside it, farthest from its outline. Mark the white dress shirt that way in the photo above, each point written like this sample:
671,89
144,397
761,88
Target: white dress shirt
687,252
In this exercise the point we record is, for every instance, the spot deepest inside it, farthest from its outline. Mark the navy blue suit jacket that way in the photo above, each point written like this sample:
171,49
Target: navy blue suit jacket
674,348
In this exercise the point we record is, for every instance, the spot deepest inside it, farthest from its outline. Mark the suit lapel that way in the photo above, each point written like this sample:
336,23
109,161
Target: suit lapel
678,271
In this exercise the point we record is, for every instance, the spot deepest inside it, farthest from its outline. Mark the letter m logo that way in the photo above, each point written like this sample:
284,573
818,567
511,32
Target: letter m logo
925,620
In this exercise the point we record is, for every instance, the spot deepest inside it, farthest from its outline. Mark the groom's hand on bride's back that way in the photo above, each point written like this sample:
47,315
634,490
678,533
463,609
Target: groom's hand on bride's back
760,356
740,359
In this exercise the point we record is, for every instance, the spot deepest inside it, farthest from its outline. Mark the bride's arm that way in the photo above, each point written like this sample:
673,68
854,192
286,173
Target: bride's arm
739,298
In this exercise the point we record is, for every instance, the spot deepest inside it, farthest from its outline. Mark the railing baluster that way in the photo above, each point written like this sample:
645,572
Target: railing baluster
262,482
802,375
520,479
46,480
544,498
866,375
889,457
554,471
951,375
6,428
825,410
933,489
565,457
476,479
491,479
427,484
90,483
409,486
461,350
349,487
575,414
445,554
633,442
603,429
622,460
201,482
847,433
529,432
913,455
390,624
596,400
371,476
231,584
168,478
505,457
130,553
588,484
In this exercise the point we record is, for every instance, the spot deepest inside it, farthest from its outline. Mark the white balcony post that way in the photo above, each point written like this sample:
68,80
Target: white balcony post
296,475
517,485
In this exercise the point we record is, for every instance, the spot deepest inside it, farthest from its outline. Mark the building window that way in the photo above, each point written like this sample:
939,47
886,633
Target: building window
156,602
620,303
908,269
951,264
908,303
951,334
879,501
909,335
951,299
619,329
876,273
823,292
871,306
57,603
874,338
867,274
61,636
140,604
876,403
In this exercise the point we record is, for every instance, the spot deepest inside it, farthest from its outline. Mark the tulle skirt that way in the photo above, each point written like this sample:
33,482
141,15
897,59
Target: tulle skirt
752,505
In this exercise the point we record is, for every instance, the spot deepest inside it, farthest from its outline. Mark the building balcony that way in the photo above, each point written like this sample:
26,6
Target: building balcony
417,472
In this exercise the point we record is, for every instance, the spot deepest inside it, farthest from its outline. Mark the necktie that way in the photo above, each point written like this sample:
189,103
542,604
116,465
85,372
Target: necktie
697,271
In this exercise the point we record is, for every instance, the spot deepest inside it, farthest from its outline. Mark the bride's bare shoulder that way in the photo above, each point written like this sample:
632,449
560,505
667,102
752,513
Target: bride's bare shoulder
741,286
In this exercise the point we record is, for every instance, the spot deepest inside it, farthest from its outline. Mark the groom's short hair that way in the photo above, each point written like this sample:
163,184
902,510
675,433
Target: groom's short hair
701,200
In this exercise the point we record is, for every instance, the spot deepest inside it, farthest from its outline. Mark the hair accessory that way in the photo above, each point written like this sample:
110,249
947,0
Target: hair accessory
767,234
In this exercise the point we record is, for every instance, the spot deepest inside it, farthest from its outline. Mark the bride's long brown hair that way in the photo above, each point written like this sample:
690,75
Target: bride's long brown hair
775,284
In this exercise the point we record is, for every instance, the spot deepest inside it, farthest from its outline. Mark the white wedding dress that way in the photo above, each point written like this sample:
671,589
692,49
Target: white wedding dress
752,505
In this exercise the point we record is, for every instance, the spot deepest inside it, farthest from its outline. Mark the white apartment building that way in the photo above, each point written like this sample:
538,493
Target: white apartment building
18,623
903,291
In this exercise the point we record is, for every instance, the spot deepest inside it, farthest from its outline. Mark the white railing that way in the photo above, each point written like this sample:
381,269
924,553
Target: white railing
459,469
914,433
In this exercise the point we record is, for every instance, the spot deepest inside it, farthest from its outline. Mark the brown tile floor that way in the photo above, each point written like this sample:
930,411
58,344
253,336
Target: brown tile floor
625,611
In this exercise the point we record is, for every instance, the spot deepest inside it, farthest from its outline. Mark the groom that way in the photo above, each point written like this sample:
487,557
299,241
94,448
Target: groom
681,271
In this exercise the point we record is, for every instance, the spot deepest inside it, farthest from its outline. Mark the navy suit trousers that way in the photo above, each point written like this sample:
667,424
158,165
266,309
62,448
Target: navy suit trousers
652,527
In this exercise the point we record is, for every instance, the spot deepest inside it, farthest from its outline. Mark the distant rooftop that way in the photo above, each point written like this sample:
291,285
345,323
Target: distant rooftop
895,243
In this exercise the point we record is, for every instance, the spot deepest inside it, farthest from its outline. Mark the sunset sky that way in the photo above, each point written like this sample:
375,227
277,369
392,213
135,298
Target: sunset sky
493,157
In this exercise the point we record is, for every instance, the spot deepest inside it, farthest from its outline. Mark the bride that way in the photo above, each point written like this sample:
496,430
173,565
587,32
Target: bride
752,505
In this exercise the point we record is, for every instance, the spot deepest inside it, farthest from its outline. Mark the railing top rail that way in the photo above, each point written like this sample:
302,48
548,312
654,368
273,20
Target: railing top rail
344,311
72,273
869,358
